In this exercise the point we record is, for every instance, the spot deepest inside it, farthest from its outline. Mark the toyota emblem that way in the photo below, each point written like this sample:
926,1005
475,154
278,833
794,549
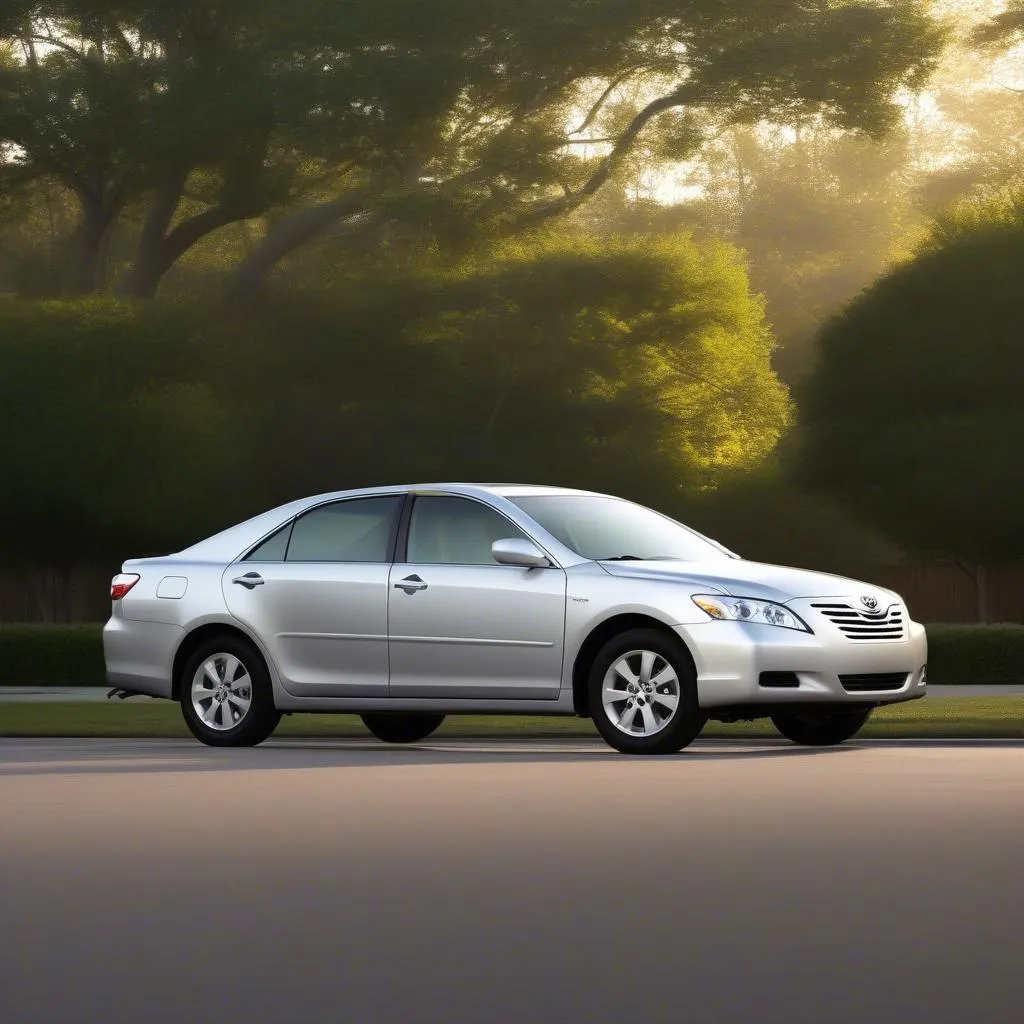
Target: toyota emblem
869,602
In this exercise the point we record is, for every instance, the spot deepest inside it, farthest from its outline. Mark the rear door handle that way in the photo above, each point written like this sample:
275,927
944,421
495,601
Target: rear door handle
411,584
250,580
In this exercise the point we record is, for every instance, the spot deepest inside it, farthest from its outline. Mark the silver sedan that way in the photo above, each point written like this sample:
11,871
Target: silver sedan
407,604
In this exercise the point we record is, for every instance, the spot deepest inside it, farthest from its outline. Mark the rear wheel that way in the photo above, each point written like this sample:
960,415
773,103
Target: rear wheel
226,696
820,728
408,728
643,694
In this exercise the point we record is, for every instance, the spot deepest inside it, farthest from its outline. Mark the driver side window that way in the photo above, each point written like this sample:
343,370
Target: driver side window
455,531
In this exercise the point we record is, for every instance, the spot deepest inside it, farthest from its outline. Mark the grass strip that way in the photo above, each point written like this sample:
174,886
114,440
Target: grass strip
935,718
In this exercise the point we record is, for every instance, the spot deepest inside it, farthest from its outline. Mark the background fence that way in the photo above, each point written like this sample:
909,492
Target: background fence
935,593
950,593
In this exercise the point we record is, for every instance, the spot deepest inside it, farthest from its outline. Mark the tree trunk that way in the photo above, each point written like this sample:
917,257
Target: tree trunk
144,277
88,248
159,252
288,235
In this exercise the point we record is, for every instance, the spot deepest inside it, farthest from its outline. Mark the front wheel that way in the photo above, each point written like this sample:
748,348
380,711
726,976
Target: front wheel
393,728
643,694
226,695
820,729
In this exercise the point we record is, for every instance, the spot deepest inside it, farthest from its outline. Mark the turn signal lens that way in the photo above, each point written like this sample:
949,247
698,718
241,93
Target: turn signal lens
711,606
121,584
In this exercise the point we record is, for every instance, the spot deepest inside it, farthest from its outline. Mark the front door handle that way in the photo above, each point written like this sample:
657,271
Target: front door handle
411,584
250,580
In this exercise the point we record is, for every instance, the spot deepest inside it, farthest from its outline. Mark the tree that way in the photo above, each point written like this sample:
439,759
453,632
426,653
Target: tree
914,417
113,432
761,515
629,367
366,113
622,365
821,213
820,216
1003,26
35,221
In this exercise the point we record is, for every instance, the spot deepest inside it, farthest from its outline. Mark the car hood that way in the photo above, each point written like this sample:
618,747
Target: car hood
746,579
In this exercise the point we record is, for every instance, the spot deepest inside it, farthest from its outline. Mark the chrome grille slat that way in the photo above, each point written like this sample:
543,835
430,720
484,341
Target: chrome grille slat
863,626
868,682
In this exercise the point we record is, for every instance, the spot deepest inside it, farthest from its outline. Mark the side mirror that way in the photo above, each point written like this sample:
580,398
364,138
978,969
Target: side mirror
517,551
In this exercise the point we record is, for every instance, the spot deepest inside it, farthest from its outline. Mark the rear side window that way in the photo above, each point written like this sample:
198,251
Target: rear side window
358,530
272,549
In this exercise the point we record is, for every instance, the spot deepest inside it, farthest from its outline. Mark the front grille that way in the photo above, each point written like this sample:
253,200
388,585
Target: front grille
873,681
886,624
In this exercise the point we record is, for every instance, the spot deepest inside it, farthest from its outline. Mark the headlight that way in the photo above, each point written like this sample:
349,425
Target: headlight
749,609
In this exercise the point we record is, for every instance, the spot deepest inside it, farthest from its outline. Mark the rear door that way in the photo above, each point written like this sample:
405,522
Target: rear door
316,593
463,626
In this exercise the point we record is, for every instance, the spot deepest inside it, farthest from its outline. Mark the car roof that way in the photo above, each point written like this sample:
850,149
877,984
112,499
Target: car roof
468,488
227,543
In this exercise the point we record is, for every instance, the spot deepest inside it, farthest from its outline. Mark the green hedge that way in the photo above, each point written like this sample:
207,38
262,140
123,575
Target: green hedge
73,655
63,655
966,654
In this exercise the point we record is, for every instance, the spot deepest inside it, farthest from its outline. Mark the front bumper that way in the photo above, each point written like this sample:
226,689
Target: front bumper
730,657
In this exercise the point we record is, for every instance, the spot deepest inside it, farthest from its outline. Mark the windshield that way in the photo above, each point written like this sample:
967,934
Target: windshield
605,528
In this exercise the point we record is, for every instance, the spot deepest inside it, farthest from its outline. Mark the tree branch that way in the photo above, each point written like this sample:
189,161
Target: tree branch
61,45
73,179
603,98
191,230
153,262
607,165
121,42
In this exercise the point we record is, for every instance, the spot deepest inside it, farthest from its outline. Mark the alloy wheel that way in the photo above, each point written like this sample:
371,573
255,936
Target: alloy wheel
640,693
221,692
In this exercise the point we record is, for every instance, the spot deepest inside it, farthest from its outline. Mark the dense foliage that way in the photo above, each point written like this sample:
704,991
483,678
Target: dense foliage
915,416
189,117
393,241
632,367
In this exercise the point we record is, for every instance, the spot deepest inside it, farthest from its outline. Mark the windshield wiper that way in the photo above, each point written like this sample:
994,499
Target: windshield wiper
637,558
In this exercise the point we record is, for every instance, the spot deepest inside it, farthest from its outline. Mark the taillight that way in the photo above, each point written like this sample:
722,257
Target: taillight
121,584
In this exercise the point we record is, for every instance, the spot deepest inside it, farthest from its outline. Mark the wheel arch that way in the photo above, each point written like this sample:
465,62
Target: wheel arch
201,634
599,636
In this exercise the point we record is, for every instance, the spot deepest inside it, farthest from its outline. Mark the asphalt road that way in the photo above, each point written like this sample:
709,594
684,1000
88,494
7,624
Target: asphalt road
483,882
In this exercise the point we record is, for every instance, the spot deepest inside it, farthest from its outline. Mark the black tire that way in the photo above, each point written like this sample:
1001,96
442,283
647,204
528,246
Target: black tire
261,718
822,728
683,725
407,728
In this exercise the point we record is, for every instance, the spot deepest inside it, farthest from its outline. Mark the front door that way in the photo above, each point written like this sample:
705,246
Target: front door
460,624
316,593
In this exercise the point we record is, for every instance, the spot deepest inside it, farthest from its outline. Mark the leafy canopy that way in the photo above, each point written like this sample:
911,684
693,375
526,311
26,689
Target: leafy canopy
395,109
637,368
914,417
